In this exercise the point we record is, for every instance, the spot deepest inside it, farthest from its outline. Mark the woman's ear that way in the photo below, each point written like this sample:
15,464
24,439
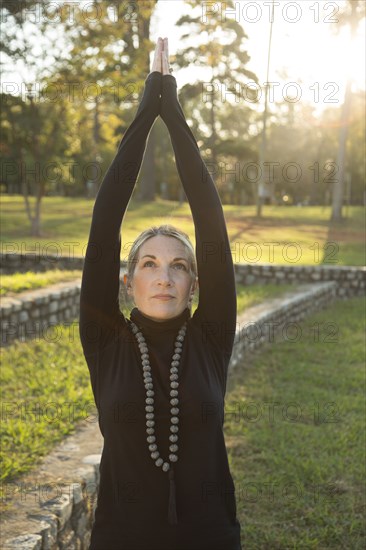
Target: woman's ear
194,286
127,284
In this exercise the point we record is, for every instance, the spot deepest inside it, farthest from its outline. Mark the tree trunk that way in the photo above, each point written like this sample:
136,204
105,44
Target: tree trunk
338,187
36,226
263,145
338,190
33,220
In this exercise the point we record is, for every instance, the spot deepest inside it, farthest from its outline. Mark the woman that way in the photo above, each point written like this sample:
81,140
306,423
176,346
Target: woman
159,378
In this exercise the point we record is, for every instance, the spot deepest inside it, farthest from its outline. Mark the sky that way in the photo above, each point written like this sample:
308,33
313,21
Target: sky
309,60
305,47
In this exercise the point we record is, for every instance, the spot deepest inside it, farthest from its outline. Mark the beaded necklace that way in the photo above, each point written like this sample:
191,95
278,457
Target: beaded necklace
149,408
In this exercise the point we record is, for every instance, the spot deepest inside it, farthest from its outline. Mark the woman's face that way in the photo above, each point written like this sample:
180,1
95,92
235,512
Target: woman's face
162,284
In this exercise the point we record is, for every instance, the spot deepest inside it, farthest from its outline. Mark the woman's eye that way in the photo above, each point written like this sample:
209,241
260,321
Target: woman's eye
178,266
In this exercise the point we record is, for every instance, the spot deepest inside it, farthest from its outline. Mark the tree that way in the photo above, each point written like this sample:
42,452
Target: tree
356,149
30,127
118,62
263,145
35,138
102,64
220,50
353,13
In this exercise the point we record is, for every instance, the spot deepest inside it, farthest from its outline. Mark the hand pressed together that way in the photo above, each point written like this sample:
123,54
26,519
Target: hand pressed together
160,62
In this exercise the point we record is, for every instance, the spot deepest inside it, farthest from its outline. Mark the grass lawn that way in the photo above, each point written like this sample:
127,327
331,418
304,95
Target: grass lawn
284,235
20,282
44,392
295,432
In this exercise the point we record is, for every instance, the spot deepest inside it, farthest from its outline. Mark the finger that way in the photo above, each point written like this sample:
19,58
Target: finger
156,54
165,64
161,54
156,66
165,57
166,48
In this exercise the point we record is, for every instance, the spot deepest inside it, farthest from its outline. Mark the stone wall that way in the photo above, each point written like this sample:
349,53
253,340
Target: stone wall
39,261
351,281
30,314
62,523
53,508
280,318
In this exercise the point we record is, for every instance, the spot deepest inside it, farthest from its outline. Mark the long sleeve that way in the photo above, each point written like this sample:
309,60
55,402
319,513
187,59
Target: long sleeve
217,294
99,307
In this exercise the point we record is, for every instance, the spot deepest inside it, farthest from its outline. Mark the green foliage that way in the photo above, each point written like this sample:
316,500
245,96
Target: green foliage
221,127
295,431
70,127
36,136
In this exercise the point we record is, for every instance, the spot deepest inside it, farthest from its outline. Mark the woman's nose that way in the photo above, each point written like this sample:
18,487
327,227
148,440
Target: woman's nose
164,276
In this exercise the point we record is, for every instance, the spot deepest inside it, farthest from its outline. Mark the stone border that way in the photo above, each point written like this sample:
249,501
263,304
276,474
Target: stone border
39,261
29,314
65,521
351,281
70,476
279,317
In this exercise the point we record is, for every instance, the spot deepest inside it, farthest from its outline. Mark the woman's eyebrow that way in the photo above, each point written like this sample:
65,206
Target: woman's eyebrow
154,258
175,259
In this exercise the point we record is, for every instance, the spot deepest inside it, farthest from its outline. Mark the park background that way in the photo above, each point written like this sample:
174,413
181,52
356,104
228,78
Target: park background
290,172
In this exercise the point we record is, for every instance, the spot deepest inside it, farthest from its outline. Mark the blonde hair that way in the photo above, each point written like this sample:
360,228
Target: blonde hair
167,231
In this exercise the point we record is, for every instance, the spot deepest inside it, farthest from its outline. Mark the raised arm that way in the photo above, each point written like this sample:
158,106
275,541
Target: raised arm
99,307
217,295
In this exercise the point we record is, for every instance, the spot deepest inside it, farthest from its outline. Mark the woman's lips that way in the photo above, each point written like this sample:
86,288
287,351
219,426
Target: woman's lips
163,297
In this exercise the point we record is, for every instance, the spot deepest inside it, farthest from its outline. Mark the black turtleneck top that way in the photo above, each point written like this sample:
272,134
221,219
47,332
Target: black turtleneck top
132,505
